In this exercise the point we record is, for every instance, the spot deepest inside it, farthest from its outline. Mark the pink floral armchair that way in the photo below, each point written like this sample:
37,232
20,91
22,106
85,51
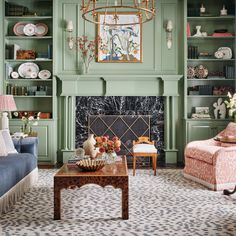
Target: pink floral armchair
212,163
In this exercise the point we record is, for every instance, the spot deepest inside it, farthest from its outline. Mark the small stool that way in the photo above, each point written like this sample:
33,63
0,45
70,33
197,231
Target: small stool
144,148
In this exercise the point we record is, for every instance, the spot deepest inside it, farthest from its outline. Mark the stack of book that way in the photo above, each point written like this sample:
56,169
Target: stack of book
74,159
192,52
229,72
12,9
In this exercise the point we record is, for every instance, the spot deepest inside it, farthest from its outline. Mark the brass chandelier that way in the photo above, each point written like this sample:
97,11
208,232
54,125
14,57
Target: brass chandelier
144,9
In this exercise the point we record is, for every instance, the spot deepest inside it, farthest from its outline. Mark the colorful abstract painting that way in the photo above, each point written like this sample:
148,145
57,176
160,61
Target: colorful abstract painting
119,43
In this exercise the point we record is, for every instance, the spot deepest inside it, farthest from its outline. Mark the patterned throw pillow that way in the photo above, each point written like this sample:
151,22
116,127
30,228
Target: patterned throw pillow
3,151
10,148
230,131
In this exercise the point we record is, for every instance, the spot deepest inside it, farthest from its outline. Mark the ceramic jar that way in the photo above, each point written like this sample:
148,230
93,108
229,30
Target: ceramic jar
89,146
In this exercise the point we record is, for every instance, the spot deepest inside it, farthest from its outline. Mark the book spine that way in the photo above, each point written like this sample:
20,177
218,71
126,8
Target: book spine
50,51
189,52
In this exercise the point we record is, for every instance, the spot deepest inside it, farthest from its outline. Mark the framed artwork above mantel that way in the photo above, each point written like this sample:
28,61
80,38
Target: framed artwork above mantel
119,43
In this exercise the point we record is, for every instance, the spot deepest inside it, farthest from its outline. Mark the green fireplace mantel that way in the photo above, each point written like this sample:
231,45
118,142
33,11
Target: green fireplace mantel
118,85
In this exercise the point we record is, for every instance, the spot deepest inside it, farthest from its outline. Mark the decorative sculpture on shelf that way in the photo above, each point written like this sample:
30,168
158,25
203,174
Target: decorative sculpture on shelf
223,12
202,9
220,109
198,33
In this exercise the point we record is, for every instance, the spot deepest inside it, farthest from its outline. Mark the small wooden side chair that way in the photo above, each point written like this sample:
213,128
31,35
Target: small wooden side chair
144,148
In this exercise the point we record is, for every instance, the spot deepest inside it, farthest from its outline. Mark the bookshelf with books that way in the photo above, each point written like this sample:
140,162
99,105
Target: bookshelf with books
29,64
209,64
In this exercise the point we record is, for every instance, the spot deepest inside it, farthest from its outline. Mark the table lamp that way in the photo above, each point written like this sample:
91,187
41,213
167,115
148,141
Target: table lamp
7,104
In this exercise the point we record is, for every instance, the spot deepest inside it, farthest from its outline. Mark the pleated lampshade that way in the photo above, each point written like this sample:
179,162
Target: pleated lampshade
7,103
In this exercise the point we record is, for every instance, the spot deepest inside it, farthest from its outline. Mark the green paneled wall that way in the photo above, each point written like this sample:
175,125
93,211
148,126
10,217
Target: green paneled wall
157,59
130,79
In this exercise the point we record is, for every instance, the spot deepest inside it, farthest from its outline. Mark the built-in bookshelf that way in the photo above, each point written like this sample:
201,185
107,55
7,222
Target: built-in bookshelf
210,54
29,68
25,51
209,65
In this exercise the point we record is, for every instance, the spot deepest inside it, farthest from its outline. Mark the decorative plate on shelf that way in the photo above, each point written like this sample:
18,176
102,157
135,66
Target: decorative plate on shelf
18,28
14,75
201,72
226,52
191,72
33,75
29,29
44,74
41,29
91,165
25,70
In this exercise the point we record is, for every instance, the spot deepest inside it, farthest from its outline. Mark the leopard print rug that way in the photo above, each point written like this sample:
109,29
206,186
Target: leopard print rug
166,204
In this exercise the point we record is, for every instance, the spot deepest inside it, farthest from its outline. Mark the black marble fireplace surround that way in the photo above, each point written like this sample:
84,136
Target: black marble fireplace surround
90,106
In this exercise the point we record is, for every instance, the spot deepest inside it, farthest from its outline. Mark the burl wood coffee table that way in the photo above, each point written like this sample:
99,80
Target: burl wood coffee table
70,176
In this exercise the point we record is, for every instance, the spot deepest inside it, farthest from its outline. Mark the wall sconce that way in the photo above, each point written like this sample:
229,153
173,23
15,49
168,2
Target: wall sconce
169,29
69,29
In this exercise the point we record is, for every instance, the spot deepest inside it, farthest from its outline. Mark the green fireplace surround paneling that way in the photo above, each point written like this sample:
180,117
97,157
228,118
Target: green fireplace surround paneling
126,85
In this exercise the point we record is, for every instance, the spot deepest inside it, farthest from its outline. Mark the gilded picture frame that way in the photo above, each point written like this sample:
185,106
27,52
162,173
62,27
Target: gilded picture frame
119,44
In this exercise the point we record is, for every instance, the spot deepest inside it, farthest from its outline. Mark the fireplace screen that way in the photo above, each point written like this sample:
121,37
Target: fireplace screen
126,127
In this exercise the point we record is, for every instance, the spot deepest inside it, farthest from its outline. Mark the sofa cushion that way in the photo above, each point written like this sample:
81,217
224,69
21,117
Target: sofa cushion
3,151
13,168
197,150
8,141
26,145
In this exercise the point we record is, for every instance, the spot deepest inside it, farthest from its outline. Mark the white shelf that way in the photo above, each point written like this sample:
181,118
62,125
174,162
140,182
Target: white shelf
209,79
209,37
214,60
28,37
207,96
28,80
19,96
218,18
27,60
27,17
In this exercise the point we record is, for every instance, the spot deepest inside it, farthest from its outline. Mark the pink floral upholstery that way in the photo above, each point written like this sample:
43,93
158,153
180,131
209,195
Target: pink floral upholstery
202,151
210,163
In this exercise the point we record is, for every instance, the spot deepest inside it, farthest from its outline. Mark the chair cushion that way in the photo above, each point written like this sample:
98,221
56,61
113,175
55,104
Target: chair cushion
197,150
144,148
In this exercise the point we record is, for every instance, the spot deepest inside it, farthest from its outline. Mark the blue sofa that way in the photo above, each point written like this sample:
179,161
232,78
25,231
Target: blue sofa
18,172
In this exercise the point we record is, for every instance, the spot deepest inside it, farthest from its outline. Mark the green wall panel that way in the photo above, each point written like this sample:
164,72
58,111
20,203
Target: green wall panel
157,59
169,56
47,138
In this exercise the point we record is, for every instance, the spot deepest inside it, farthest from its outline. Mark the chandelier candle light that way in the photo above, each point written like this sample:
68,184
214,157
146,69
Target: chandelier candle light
145,10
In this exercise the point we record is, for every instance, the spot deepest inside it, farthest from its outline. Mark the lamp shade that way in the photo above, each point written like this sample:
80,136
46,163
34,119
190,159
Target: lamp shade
7,103
69,26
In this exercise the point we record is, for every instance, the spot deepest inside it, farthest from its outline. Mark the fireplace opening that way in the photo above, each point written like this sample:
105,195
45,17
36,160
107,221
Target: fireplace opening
123,116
